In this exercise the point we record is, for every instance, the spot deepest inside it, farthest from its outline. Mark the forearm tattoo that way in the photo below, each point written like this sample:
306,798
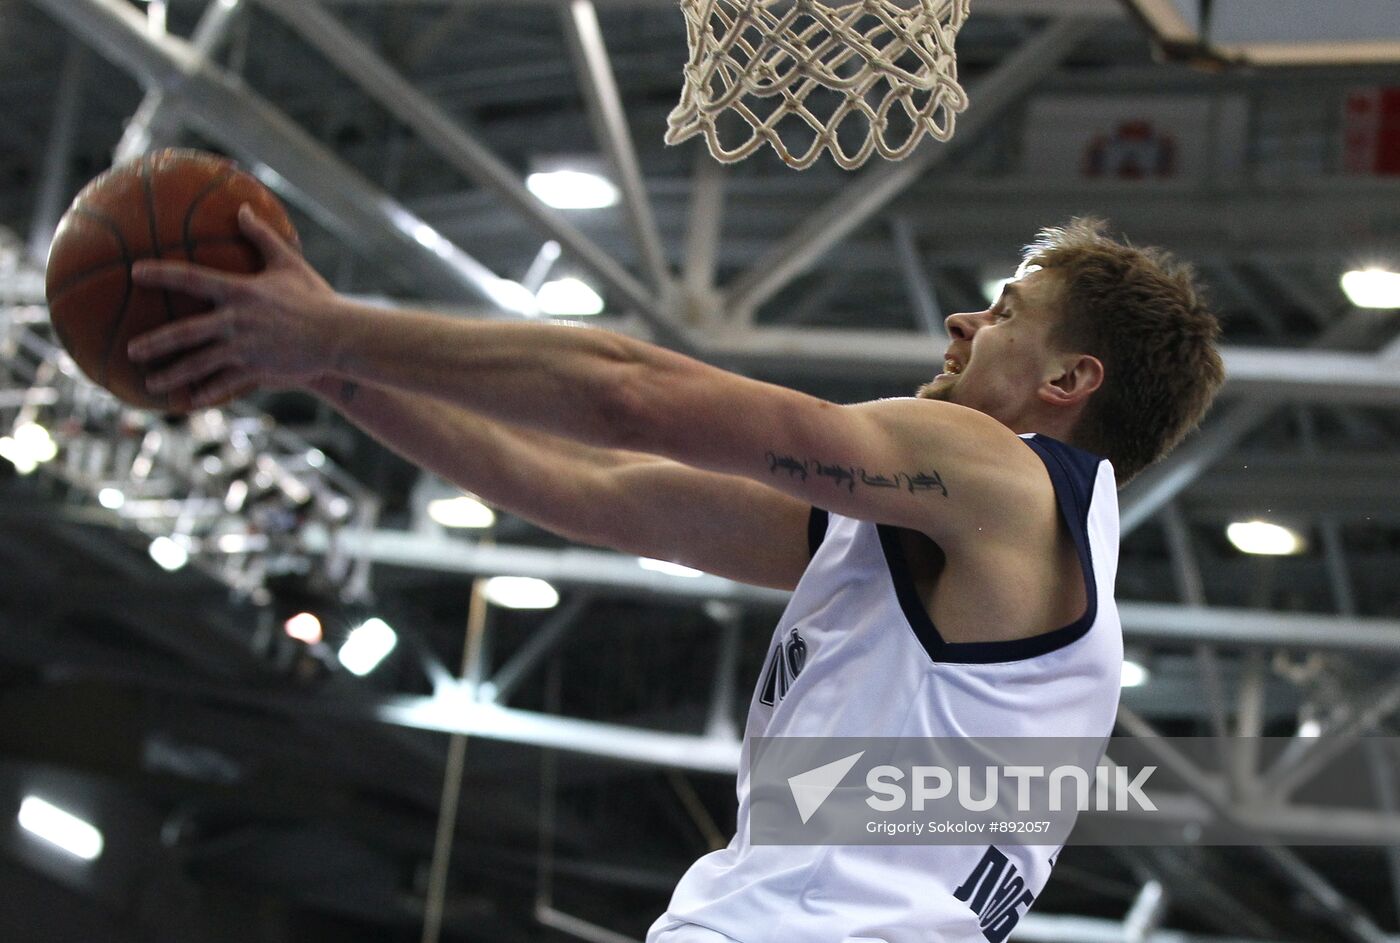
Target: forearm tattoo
849,476
348,389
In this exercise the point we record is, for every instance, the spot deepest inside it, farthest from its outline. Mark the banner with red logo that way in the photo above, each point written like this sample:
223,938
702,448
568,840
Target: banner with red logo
1371,132
1127,138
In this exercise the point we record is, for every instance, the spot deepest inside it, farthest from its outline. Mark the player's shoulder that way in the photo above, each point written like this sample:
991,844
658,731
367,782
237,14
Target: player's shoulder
977,439
1001,480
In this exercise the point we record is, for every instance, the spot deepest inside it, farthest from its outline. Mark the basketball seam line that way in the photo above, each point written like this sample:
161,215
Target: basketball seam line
75,280
118,321
199,198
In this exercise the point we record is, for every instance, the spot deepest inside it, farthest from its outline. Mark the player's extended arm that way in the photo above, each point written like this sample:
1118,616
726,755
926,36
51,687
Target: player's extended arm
635,503
935,467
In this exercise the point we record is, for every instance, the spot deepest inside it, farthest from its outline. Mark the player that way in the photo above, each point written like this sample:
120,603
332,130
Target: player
952,555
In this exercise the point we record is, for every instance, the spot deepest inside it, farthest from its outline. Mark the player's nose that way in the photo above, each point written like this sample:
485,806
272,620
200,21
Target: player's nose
961,326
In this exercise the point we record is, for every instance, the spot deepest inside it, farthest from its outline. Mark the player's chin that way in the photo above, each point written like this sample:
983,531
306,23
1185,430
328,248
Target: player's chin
940,388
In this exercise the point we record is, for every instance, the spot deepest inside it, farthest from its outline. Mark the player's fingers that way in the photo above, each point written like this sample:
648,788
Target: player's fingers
230,384
269,241
182,335
191,369
197,280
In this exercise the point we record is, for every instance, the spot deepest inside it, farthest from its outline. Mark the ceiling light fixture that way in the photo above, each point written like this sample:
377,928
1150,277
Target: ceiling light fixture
60,828
569,297
169,554
572,189
304,627
1265,539
367,645
1372,288
461,511
520,592
28,447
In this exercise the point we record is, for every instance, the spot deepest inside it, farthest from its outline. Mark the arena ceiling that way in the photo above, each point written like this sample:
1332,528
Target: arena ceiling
259,787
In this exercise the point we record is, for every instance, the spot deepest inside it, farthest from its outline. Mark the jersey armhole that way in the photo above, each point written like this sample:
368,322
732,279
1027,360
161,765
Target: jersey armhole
1071,474
816,530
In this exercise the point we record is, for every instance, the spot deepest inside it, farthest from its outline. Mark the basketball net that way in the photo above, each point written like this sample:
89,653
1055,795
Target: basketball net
805,76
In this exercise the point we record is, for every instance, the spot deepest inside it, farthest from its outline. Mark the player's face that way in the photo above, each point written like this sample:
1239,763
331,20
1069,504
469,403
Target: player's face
999,357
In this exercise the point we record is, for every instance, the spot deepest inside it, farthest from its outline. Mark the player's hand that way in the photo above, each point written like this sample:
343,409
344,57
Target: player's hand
274,328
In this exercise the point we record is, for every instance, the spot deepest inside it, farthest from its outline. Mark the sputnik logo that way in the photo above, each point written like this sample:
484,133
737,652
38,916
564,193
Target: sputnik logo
812,788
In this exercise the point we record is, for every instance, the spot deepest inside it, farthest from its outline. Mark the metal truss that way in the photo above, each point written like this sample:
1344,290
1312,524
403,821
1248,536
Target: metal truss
226,489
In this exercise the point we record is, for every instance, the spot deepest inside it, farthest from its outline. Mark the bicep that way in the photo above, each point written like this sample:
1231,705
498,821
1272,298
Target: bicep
722,524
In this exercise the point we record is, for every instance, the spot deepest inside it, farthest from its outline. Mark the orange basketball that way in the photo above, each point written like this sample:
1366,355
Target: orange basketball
171,204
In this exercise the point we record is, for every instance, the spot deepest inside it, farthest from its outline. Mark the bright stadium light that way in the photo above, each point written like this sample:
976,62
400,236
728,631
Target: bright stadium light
28,447
60,828
304,627
572,189
670,569
461,511
1372,288
569,297
111,498
168,554
520,592
367,645
1265,539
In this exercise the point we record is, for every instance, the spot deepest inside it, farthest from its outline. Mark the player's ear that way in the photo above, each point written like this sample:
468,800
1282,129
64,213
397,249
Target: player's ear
1074,378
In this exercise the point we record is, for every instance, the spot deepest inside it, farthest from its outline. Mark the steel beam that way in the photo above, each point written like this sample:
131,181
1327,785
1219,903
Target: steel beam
703,226
1280,374
298,166
609,119
440,131
872,190
1250,628
541,642
1381,760
1367,711
58,152
1354,923
967,221
921,294
1146,914
464,715
1150,622
155,123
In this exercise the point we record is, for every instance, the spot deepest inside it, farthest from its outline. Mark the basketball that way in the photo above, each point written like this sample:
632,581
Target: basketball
171,204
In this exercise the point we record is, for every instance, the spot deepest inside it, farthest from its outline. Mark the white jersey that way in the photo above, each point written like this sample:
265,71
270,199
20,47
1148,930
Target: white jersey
856,655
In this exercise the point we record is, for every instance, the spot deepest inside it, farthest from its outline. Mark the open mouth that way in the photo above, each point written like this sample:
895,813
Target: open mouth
951,366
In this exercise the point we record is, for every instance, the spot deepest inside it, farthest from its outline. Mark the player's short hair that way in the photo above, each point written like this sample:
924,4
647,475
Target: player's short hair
1141,313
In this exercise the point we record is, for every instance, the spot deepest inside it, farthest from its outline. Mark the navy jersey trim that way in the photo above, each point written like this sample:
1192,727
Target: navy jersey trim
1072,473
816,529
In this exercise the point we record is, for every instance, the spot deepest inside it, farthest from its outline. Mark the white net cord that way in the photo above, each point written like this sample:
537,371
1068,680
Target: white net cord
807,76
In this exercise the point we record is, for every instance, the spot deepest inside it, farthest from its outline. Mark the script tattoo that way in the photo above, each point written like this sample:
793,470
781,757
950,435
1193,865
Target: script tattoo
878,481
840,474
848,476
925,481
793,466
